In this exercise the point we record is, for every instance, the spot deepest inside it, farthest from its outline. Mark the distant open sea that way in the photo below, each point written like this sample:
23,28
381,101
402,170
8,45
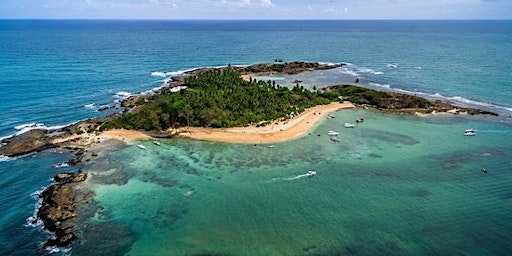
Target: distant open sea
394,185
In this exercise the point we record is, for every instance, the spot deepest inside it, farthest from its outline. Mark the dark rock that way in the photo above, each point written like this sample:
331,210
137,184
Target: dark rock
57,209
129,102
286,68
103,108
62,176
33,140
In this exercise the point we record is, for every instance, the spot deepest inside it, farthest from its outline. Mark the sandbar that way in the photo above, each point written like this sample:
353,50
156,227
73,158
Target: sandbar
276,132
123,134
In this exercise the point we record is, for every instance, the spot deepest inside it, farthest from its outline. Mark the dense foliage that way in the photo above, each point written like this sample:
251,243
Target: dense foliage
219,98
380,99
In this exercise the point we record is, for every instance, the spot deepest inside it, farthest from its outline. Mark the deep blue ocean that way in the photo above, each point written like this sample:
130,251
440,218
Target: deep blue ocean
58,72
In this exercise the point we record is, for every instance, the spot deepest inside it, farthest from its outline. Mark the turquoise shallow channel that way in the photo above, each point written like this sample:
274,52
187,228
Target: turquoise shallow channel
393,185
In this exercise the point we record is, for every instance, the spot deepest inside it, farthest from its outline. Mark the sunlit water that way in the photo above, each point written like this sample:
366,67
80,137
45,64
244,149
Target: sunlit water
393,185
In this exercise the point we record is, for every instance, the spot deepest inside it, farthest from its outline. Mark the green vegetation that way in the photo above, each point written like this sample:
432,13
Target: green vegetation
277,67
219,98
379,99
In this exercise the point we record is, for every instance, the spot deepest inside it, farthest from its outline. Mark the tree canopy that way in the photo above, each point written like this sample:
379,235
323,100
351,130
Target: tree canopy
219,98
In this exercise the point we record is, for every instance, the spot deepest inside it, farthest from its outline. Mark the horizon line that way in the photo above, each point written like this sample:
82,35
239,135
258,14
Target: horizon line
242,19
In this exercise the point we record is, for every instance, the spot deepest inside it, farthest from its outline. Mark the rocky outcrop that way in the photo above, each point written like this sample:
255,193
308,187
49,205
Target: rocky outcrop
30,141
288,68
129,102
57,210
71,137
397,102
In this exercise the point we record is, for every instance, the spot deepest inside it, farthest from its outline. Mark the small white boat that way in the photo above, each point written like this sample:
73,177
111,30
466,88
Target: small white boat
330,116
156,143
469,132
332,133
349,125
271,146
141,146
310,173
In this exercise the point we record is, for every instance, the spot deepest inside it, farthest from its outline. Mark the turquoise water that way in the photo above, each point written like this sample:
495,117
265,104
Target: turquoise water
19,181
392,186
59,67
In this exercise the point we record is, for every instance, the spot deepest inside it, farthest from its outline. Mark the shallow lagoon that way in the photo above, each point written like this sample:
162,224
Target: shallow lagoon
394,185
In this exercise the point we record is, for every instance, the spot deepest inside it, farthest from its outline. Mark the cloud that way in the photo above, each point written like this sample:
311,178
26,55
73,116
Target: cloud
267,3
163,3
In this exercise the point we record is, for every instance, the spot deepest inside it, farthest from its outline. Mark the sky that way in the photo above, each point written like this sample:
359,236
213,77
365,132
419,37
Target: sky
255,9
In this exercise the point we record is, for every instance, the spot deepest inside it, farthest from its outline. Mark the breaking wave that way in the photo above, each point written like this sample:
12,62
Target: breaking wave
456,100
6,158
122,95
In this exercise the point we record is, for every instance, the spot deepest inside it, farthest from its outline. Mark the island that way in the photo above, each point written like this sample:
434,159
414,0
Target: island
228,104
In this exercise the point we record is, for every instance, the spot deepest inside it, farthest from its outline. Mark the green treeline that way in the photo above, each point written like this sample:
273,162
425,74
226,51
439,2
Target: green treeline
219,98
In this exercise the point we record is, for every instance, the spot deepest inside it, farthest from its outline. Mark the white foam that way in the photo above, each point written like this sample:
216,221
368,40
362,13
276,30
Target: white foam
386,86
470,102
6,137
507,109
43,127
122,95
55,249
157,73
91,105
349,72
172,73
152,91
6,158
33,221
61,165
289,178
331,63
370,71
29,125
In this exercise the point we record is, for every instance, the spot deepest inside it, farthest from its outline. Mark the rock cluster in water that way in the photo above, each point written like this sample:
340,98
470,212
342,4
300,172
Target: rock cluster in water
57,210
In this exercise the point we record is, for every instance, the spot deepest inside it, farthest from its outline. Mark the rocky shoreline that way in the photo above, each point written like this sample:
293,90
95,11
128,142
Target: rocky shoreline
400,103
58,208
80,136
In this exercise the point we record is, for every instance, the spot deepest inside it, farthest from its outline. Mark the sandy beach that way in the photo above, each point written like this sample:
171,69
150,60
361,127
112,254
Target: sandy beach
126,135
277,132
